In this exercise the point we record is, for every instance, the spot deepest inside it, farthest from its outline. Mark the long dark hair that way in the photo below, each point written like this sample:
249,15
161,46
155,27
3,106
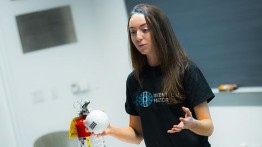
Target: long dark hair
171,55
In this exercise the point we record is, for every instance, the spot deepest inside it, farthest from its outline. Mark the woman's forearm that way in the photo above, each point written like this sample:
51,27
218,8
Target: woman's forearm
203,127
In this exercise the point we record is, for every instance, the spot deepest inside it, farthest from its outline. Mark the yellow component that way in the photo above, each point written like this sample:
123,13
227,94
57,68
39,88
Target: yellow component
227,87
72,131
88,141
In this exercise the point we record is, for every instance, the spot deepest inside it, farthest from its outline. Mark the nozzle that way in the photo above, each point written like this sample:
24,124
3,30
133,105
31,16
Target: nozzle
84,110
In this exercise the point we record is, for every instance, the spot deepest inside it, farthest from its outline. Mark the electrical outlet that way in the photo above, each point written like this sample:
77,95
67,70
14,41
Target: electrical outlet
38,97
80,86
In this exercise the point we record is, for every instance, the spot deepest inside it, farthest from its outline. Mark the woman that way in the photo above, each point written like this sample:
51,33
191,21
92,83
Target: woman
166,95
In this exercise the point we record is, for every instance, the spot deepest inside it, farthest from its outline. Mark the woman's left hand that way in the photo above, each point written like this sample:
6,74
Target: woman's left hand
185,123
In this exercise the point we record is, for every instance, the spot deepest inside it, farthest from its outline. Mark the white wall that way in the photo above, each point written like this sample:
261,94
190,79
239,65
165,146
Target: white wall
36,99
39,82
236,116
6,125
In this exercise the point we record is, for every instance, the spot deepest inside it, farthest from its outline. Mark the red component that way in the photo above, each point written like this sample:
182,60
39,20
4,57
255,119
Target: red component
81,128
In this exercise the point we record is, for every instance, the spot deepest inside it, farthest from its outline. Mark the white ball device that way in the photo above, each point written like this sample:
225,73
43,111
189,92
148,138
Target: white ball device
96,121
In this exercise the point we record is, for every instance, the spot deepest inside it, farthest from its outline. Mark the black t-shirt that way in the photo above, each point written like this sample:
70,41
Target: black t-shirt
157,115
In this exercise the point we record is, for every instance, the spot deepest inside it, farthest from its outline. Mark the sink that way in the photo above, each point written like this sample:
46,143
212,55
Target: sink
56,139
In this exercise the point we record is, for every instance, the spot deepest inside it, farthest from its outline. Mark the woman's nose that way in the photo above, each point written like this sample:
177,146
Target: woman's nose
139,35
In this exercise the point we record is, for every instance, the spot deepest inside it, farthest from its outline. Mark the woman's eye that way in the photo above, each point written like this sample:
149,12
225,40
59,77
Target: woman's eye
145,30
132,32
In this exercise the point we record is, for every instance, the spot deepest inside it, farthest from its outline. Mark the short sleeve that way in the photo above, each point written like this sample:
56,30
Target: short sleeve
197,89
131,85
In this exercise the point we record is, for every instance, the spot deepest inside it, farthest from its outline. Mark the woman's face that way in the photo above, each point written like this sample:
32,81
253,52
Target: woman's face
140,34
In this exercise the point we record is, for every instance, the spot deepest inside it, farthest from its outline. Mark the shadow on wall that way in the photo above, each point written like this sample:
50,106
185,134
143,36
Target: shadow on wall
55,139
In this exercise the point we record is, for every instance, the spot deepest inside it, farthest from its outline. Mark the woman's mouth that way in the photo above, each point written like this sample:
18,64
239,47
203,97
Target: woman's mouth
141,45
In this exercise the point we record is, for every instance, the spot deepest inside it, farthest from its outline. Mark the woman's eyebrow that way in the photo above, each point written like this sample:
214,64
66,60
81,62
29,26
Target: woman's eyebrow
139,26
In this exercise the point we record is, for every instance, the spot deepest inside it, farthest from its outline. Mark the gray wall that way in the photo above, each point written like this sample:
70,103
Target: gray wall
222,37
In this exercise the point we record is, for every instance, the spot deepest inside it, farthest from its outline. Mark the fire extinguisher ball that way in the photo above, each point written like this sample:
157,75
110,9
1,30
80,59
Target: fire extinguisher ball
97,121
